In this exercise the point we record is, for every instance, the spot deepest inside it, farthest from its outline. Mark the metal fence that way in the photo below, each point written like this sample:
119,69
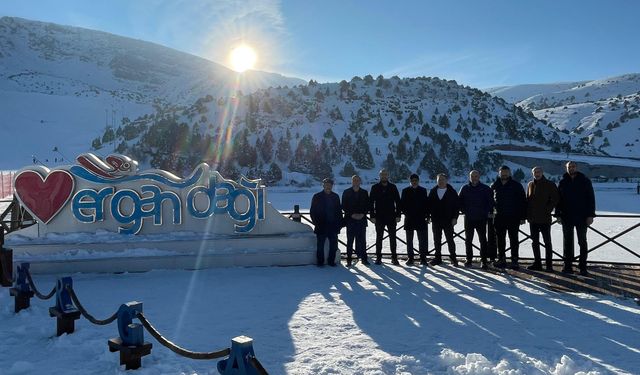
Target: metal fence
607,241
14,217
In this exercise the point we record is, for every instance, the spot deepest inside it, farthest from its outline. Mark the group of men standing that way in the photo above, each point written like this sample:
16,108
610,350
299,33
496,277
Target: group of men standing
492,212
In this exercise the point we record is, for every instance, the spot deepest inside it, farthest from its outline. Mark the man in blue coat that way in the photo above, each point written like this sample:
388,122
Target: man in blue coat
326,215
510,212
576,209
476,203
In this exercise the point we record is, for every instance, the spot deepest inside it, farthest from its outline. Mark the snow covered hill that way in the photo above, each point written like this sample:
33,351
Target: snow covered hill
600,116
59,85
517,93
421,124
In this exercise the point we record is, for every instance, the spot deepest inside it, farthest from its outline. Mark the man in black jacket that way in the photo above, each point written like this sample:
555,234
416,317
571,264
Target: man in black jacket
576,209
476,203
510,213
326,215
384,207
444,209
355,204
415,209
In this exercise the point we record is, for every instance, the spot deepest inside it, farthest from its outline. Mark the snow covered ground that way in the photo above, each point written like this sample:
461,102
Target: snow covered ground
378,320
305,320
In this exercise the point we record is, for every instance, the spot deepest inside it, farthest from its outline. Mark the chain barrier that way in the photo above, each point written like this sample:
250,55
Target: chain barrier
177,349
86,314
258,366
35,290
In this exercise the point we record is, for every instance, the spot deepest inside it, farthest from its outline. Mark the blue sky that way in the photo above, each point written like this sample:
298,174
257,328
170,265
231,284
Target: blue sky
478,43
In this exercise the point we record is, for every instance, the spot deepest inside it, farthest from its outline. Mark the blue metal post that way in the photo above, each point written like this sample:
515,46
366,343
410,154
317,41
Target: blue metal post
65,312
238,361
21,291
130,344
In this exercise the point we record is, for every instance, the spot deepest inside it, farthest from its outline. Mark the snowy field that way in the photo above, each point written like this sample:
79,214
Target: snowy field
305,320
378,320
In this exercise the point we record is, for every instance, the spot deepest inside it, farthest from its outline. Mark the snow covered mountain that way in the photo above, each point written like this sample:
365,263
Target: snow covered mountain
601,116
59,84
423,124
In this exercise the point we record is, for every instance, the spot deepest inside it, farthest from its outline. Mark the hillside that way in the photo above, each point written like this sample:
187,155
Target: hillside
292,135
517,93
600,116
59,85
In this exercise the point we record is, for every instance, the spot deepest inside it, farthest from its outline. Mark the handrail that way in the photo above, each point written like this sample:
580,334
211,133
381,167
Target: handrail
305,215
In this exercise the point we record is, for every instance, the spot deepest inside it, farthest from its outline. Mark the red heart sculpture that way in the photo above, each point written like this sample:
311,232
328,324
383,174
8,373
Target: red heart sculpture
44,198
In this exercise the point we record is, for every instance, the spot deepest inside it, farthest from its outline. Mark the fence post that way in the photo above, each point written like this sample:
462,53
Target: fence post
130,344
238,361
65,312
22,292
296,215
6,263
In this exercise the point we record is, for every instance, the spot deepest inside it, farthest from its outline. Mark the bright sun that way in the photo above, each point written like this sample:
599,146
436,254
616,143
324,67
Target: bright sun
242,58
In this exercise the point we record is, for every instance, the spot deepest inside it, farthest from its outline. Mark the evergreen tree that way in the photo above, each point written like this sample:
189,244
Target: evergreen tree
348,170
274,174
96,144
243,152
431,164
444,122
361,154
266,146
283,152
518,175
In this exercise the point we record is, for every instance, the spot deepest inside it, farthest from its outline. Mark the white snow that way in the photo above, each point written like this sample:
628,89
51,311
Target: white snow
378,320
305,320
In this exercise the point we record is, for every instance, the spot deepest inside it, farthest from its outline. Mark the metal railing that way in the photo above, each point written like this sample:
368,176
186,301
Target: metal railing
524,237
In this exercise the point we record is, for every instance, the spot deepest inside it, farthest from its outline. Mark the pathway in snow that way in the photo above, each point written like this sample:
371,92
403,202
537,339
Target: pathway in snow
305,320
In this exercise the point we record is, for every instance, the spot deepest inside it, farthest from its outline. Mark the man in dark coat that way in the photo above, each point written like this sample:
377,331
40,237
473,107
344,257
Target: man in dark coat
510,213
542,198
577,209
384,208
415,209
444,208
476,203
355,204
326,215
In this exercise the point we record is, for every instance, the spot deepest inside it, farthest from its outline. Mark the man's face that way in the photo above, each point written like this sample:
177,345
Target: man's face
384,176
327,186
572,168
355,182
414,182
474,177
537,173
505,174
442,181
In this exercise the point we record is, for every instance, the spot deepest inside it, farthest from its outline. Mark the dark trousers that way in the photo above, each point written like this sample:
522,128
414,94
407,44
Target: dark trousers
357,231
422,243
545,230
567,233
492,246
333,248
510,226
470,227
447,227
391,227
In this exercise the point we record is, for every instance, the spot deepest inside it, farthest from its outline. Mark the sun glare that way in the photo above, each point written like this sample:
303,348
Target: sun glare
242,58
